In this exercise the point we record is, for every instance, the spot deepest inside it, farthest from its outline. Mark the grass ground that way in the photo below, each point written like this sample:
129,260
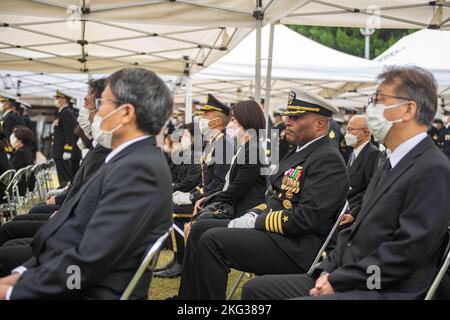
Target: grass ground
163,288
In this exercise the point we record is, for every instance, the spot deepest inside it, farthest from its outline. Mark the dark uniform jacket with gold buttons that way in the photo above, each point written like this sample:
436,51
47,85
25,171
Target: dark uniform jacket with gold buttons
64,139
216,161
309,190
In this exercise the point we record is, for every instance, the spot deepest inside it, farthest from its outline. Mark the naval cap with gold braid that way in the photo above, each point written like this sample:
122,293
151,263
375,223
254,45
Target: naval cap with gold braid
212,104
301,102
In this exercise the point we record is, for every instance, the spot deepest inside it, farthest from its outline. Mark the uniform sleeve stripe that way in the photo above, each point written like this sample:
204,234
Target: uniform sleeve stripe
275,222
280,225
267,221
271,221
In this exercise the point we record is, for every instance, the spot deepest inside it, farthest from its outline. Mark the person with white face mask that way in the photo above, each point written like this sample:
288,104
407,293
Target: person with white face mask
10,118
361,164
215,162
123,208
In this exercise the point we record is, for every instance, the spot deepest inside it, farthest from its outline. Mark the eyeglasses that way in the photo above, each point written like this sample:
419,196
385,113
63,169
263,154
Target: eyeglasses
374,97
349,129
99,101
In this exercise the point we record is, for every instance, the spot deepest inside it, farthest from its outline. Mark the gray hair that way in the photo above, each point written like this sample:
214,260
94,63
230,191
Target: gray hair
419,85
147,93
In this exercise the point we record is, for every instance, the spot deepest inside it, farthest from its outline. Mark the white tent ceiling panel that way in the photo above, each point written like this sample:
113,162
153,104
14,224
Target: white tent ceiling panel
373,13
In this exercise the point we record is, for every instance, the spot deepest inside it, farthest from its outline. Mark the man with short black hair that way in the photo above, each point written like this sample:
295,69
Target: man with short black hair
394,247
104,231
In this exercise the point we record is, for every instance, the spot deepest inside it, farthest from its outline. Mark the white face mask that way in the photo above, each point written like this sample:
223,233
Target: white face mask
103,138
350,139
1,106
13,141
445,120
203,125
56,103
377,123
186,143
234,130
83,120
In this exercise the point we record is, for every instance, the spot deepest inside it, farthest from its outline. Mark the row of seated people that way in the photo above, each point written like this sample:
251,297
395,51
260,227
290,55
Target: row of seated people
234,223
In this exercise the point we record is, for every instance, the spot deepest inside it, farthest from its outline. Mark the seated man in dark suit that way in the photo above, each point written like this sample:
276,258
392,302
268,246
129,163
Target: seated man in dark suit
106,228
393,249
361,164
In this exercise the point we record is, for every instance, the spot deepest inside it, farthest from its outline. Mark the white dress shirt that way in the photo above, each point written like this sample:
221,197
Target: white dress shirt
113,153
308,143
403,149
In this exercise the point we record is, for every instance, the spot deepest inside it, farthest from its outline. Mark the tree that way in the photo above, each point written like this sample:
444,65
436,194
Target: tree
350,40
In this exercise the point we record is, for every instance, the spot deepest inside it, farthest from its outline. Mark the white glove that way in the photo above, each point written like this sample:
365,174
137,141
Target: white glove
176,192
247,221
182,199
67,156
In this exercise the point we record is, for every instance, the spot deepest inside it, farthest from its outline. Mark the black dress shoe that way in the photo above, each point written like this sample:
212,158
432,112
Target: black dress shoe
167,266
173,272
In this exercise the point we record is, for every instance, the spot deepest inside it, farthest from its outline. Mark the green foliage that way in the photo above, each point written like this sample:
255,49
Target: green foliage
350,40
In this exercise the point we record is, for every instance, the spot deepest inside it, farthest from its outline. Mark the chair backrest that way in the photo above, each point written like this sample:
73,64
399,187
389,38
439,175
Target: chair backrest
444,263
327,240
149,261
7,176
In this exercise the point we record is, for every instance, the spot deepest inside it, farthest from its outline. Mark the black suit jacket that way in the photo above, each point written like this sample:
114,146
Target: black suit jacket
104,229
360,173
301,229
189,175
92,162
22,158
401,227
10,120
64,139
246,184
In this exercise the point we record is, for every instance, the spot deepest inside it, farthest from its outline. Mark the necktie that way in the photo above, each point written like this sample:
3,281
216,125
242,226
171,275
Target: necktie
352,158
384,171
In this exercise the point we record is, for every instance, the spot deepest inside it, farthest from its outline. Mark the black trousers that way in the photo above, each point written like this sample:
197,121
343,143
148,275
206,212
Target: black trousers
13,254
64,170
32,217
212,249
296,286
181,215
44,208
19,229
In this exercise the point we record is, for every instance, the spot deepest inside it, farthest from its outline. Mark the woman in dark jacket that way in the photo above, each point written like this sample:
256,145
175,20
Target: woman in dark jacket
244,186
22,157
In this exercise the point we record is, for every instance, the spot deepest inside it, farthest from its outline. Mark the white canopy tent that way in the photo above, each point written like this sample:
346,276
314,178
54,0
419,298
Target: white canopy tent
429,49
100,36
398,14
297,62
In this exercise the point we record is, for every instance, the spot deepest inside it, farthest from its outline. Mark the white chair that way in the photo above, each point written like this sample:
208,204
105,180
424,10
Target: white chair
445,263
314,264
149,261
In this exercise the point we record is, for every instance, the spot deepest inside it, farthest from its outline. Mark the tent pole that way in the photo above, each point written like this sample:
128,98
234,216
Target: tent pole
258,16
188,100
269,76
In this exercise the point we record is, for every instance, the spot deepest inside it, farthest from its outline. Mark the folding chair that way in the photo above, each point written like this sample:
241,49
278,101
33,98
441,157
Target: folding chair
316,259
5,181
150,260
440,275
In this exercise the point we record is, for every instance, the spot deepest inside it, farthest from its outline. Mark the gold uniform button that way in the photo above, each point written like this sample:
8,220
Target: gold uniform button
287,204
